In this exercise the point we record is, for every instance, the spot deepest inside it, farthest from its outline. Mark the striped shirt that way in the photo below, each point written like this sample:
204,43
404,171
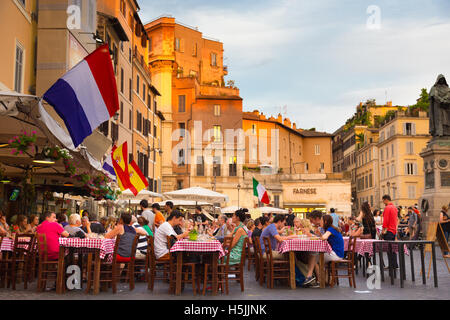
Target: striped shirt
142,242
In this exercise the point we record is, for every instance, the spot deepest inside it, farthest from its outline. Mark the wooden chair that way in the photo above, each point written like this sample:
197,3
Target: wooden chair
251,257
19,260
222,269
2,255
110,272
47,269
141,266
238,269
346,264
261,264
188,271
154,264
277,269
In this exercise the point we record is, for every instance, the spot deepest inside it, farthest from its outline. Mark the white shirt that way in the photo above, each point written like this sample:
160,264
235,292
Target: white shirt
161,234
150,216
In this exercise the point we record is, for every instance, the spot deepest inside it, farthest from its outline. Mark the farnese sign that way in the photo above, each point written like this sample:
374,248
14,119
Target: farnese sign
305,191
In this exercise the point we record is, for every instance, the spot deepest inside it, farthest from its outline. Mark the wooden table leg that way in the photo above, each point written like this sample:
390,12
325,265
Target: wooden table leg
402,268
97,272
422,262
179,274
292,269
60,274
322,269
390,259
215,282
88,271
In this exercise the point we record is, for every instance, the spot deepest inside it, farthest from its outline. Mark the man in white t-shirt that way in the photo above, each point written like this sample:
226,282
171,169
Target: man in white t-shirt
166,229
148,214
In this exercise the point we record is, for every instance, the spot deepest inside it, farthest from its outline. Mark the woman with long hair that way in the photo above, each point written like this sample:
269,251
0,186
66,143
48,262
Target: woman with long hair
34,222
368,221
334,238
239,235
21,225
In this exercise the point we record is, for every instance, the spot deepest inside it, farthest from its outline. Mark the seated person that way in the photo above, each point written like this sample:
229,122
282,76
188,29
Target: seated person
271,232
144,224
166,229
141,248
22,226
53,230
222,231
127,233
239,235
315,218
4,228
96,227
334,238
62,218
74,227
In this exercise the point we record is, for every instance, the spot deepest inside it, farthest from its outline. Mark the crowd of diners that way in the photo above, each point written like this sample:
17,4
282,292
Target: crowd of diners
368,224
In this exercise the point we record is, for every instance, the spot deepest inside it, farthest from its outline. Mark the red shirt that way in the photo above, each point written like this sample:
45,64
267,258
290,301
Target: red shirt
390,218
53,231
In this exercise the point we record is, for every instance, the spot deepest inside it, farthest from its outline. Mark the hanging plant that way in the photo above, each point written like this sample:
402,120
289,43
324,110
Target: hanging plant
21,143
97,186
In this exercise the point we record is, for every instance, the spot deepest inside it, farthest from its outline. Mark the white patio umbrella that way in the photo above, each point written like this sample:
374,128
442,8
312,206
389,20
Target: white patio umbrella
142,194
197,194
272,210
231,209
185,203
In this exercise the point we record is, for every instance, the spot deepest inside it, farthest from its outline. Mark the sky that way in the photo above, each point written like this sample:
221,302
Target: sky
315,60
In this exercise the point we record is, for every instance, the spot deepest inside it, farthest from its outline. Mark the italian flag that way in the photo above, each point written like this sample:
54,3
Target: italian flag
260,192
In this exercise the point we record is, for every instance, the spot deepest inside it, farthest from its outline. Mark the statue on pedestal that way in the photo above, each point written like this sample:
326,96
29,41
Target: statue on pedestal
440,108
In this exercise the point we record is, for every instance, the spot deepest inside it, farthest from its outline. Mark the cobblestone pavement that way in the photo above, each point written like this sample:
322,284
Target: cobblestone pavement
412,290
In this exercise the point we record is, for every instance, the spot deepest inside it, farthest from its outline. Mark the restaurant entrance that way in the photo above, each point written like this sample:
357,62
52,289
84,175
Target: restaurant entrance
301,210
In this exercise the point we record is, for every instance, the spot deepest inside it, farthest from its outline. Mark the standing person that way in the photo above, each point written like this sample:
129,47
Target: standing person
335,218
148,214
199,216
159,218
444,221
368,221
52,230
412,223
390,222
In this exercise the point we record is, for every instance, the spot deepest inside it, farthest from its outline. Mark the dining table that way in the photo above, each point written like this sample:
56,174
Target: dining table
307,244
204,247
96,249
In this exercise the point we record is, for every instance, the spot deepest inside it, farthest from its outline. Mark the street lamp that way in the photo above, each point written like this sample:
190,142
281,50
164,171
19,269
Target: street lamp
238,188
388,184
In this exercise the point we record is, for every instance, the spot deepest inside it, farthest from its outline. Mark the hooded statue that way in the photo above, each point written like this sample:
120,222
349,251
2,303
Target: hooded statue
440,108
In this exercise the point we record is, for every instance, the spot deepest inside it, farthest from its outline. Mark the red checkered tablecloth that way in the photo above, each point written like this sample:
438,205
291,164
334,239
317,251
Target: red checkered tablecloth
198,246
304,245
364,246
106,246
8,244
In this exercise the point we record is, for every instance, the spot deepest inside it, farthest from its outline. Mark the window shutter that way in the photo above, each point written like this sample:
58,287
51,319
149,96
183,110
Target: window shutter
413,129
406,168
415,169
404,129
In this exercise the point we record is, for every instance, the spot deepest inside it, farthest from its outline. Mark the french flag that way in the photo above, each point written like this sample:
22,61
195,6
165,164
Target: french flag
108,167
86,96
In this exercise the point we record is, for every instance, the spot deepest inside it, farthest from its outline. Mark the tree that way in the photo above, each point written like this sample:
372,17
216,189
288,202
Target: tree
423,102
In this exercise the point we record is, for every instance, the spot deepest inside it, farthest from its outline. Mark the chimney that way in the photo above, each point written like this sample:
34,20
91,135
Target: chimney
280,118
389,104
287,122
294,126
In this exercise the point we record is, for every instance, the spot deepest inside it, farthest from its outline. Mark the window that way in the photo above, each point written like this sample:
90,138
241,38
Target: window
409,147
182,103
370,180
181,161
179,184
130,89
306,167
18,80
150,44
392,170
411,168
123,7
138,80
130,120
129,55
276,201
143,91
216,166
322,167
254,153
217,133
371,201
138,121
392,150
177,44
387,171
217,110
233,167
121,80
382,173
182,128
370,154
253,128
381,154
382,136
387,153
213,59
412,192
121,112
114,132
200,166
366,182
121,46
104,128
409,129
194,50
317,149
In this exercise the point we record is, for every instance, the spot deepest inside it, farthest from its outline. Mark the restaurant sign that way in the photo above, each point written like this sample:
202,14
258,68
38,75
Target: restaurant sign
305,191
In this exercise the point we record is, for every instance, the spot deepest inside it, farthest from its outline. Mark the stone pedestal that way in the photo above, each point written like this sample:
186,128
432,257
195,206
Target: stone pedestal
436,161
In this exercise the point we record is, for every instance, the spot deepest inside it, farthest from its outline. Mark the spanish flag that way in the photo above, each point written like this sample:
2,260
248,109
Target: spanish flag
120,162
137,179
